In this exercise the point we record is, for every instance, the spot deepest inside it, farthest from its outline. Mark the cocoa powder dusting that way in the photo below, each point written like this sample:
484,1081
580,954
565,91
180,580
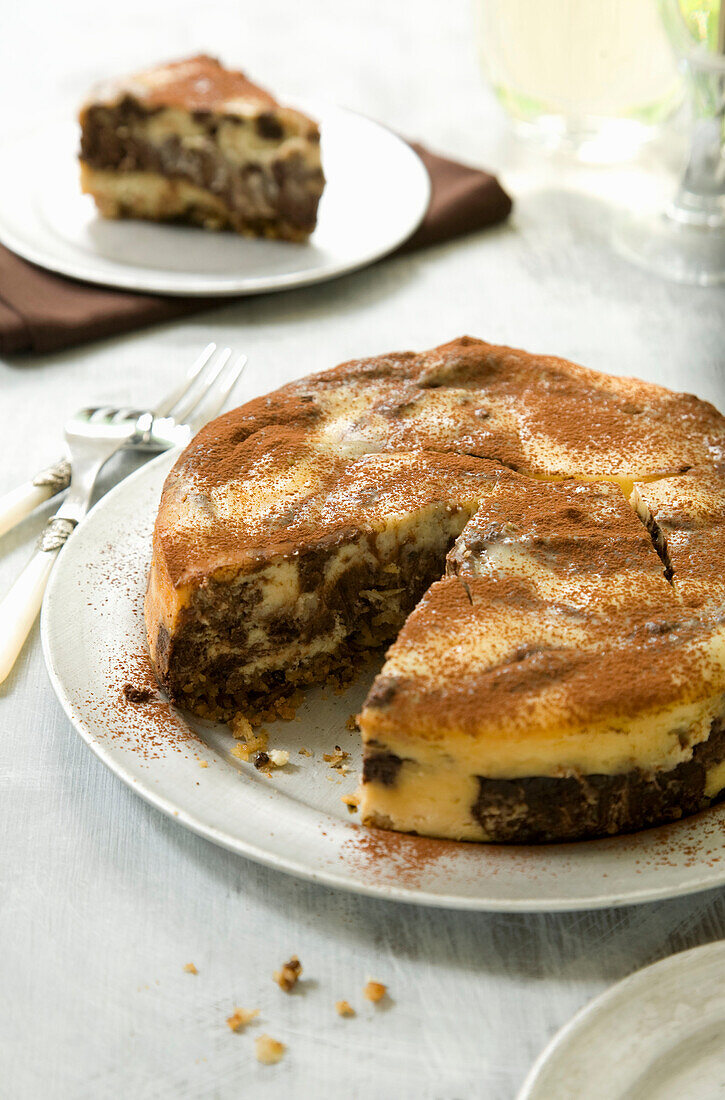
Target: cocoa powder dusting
397,857
288,469
195,84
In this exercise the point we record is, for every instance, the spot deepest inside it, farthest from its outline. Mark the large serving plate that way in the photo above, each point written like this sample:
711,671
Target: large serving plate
376,194
94,645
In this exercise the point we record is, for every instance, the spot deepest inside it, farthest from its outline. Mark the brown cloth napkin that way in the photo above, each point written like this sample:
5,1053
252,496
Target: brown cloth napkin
41,312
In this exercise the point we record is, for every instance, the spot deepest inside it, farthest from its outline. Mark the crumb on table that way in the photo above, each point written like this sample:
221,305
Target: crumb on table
269,1050
288,974
344,1008
375,991
190,968
241,1017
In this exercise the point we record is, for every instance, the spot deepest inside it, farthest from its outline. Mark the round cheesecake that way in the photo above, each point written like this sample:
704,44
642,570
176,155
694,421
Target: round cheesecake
542,545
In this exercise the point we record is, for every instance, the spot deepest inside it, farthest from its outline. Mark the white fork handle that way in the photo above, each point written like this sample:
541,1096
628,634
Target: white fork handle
20,502
19,609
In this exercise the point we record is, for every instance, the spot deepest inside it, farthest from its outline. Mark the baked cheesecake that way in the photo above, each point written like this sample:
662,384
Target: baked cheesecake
494,514
195,142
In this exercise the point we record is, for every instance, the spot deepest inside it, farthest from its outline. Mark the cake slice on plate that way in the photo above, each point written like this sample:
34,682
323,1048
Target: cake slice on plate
194,142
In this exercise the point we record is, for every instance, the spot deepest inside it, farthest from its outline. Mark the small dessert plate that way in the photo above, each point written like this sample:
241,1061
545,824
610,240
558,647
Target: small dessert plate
376,194
295,819
657,1035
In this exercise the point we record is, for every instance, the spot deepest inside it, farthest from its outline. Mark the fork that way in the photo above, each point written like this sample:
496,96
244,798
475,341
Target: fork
92,437
20,502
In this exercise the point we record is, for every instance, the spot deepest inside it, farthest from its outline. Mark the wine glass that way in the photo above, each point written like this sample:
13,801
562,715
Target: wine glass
685,239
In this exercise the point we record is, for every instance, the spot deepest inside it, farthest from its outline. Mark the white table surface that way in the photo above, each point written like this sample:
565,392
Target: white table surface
103,901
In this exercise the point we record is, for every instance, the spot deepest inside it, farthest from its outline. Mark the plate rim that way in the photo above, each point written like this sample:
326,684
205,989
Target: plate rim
16,242
601,1001
414,895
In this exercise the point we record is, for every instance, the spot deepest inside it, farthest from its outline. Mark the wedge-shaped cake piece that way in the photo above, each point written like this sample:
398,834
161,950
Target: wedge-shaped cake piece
195,142
280,578
551,687
686,517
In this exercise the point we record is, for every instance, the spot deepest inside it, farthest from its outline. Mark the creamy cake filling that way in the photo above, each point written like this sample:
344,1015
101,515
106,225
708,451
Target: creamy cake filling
256,181
443,800
246,643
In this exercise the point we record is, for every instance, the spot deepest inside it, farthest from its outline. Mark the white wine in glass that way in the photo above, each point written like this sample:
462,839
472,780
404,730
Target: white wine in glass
596,76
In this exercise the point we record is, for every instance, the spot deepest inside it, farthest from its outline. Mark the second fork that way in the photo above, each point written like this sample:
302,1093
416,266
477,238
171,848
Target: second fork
90,445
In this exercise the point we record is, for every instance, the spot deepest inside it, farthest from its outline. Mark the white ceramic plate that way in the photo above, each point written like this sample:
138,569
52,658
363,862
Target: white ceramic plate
94,644
376,195
658,1035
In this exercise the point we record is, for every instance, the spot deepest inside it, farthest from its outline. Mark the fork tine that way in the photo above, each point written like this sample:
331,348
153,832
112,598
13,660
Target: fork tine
201,385
101,413
210,403
167,403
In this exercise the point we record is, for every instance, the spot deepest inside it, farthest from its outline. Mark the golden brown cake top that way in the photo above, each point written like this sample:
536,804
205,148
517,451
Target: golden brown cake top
518,642
295,498
476,661
243,479
573,545
194,84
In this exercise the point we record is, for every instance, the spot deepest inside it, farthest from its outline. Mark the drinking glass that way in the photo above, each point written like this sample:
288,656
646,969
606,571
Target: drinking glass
596,77
684,240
